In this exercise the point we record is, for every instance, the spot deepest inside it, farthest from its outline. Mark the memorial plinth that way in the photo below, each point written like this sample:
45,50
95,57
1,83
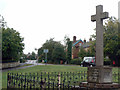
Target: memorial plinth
99,75
100,78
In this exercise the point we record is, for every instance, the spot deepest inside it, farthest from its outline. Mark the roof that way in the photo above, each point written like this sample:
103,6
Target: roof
85,45
77,42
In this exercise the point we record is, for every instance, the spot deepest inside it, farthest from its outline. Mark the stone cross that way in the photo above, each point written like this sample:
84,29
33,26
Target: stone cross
100,15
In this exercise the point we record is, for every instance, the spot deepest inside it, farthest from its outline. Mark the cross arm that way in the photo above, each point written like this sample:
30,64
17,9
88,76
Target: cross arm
105,15
93,18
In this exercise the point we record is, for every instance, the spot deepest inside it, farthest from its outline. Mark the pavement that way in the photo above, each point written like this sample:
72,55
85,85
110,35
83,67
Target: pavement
21,64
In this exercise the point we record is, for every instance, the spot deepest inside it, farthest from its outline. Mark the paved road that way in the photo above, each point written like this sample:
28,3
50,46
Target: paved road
21,64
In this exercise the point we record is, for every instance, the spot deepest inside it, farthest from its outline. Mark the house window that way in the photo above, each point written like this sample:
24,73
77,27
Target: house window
80,44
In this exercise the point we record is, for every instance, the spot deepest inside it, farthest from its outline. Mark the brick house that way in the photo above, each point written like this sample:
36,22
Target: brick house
76,46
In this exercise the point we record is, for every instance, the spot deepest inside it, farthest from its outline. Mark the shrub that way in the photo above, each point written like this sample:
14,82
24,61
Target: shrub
76,61
107,61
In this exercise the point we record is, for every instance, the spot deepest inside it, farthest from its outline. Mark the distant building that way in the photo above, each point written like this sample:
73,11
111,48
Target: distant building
76,46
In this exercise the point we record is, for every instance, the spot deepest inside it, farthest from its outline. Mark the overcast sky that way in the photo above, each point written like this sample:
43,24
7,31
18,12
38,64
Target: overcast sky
40,20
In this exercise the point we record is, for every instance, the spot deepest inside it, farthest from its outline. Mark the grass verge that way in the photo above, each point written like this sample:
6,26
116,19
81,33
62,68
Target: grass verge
46,68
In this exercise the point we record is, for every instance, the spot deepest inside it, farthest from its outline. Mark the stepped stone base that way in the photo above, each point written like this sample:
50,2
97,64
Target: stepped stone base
100,86
100,77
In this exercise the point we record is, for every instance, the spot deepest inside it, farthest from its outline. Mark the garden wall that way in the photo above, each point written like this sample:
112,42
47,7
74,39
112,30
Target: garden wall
9,65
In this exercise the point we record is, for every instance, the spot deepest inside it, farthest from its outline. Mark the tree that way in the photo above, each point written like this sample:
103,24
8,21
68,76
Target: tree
82,53
111,40
12,46
69,50
50,45
56,51
40,53
92,48
33,56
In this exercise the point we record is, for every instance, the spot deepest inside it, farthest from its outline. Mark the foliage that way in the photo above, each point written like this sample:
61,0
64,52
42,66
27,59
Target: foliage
33,56
68,48
56,51
50,45
12,46
69,51
29,56
24,57
82,53
76,61
111,40
92,48
111,37
86,53
107,61
41,54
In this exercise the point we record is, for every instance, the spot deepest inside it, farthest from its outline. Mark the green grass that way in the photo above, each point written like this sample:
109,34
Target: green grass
46,68
42,68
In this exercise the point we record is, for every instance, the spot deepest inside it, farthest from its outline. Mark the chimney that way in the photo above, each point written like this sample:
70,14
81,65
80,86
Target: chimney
84,40
74,38
90,39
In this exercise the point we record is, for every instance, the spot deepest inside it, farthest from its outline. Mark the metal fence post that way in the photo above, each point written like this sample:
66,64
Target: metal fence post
59,80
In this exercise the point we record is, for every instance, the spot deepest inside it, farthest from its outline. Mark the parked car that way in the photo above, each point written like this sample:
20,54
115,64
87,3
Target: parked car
88,61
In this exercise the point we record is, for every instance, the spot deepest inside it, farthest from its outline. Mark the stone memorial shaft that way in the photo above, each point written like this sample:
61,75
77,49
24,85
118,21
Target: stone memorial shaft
100,15
100,76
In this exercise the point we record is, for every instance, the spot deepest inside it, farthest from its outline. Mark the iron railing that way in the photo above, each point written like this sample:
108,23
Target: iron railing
49,79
